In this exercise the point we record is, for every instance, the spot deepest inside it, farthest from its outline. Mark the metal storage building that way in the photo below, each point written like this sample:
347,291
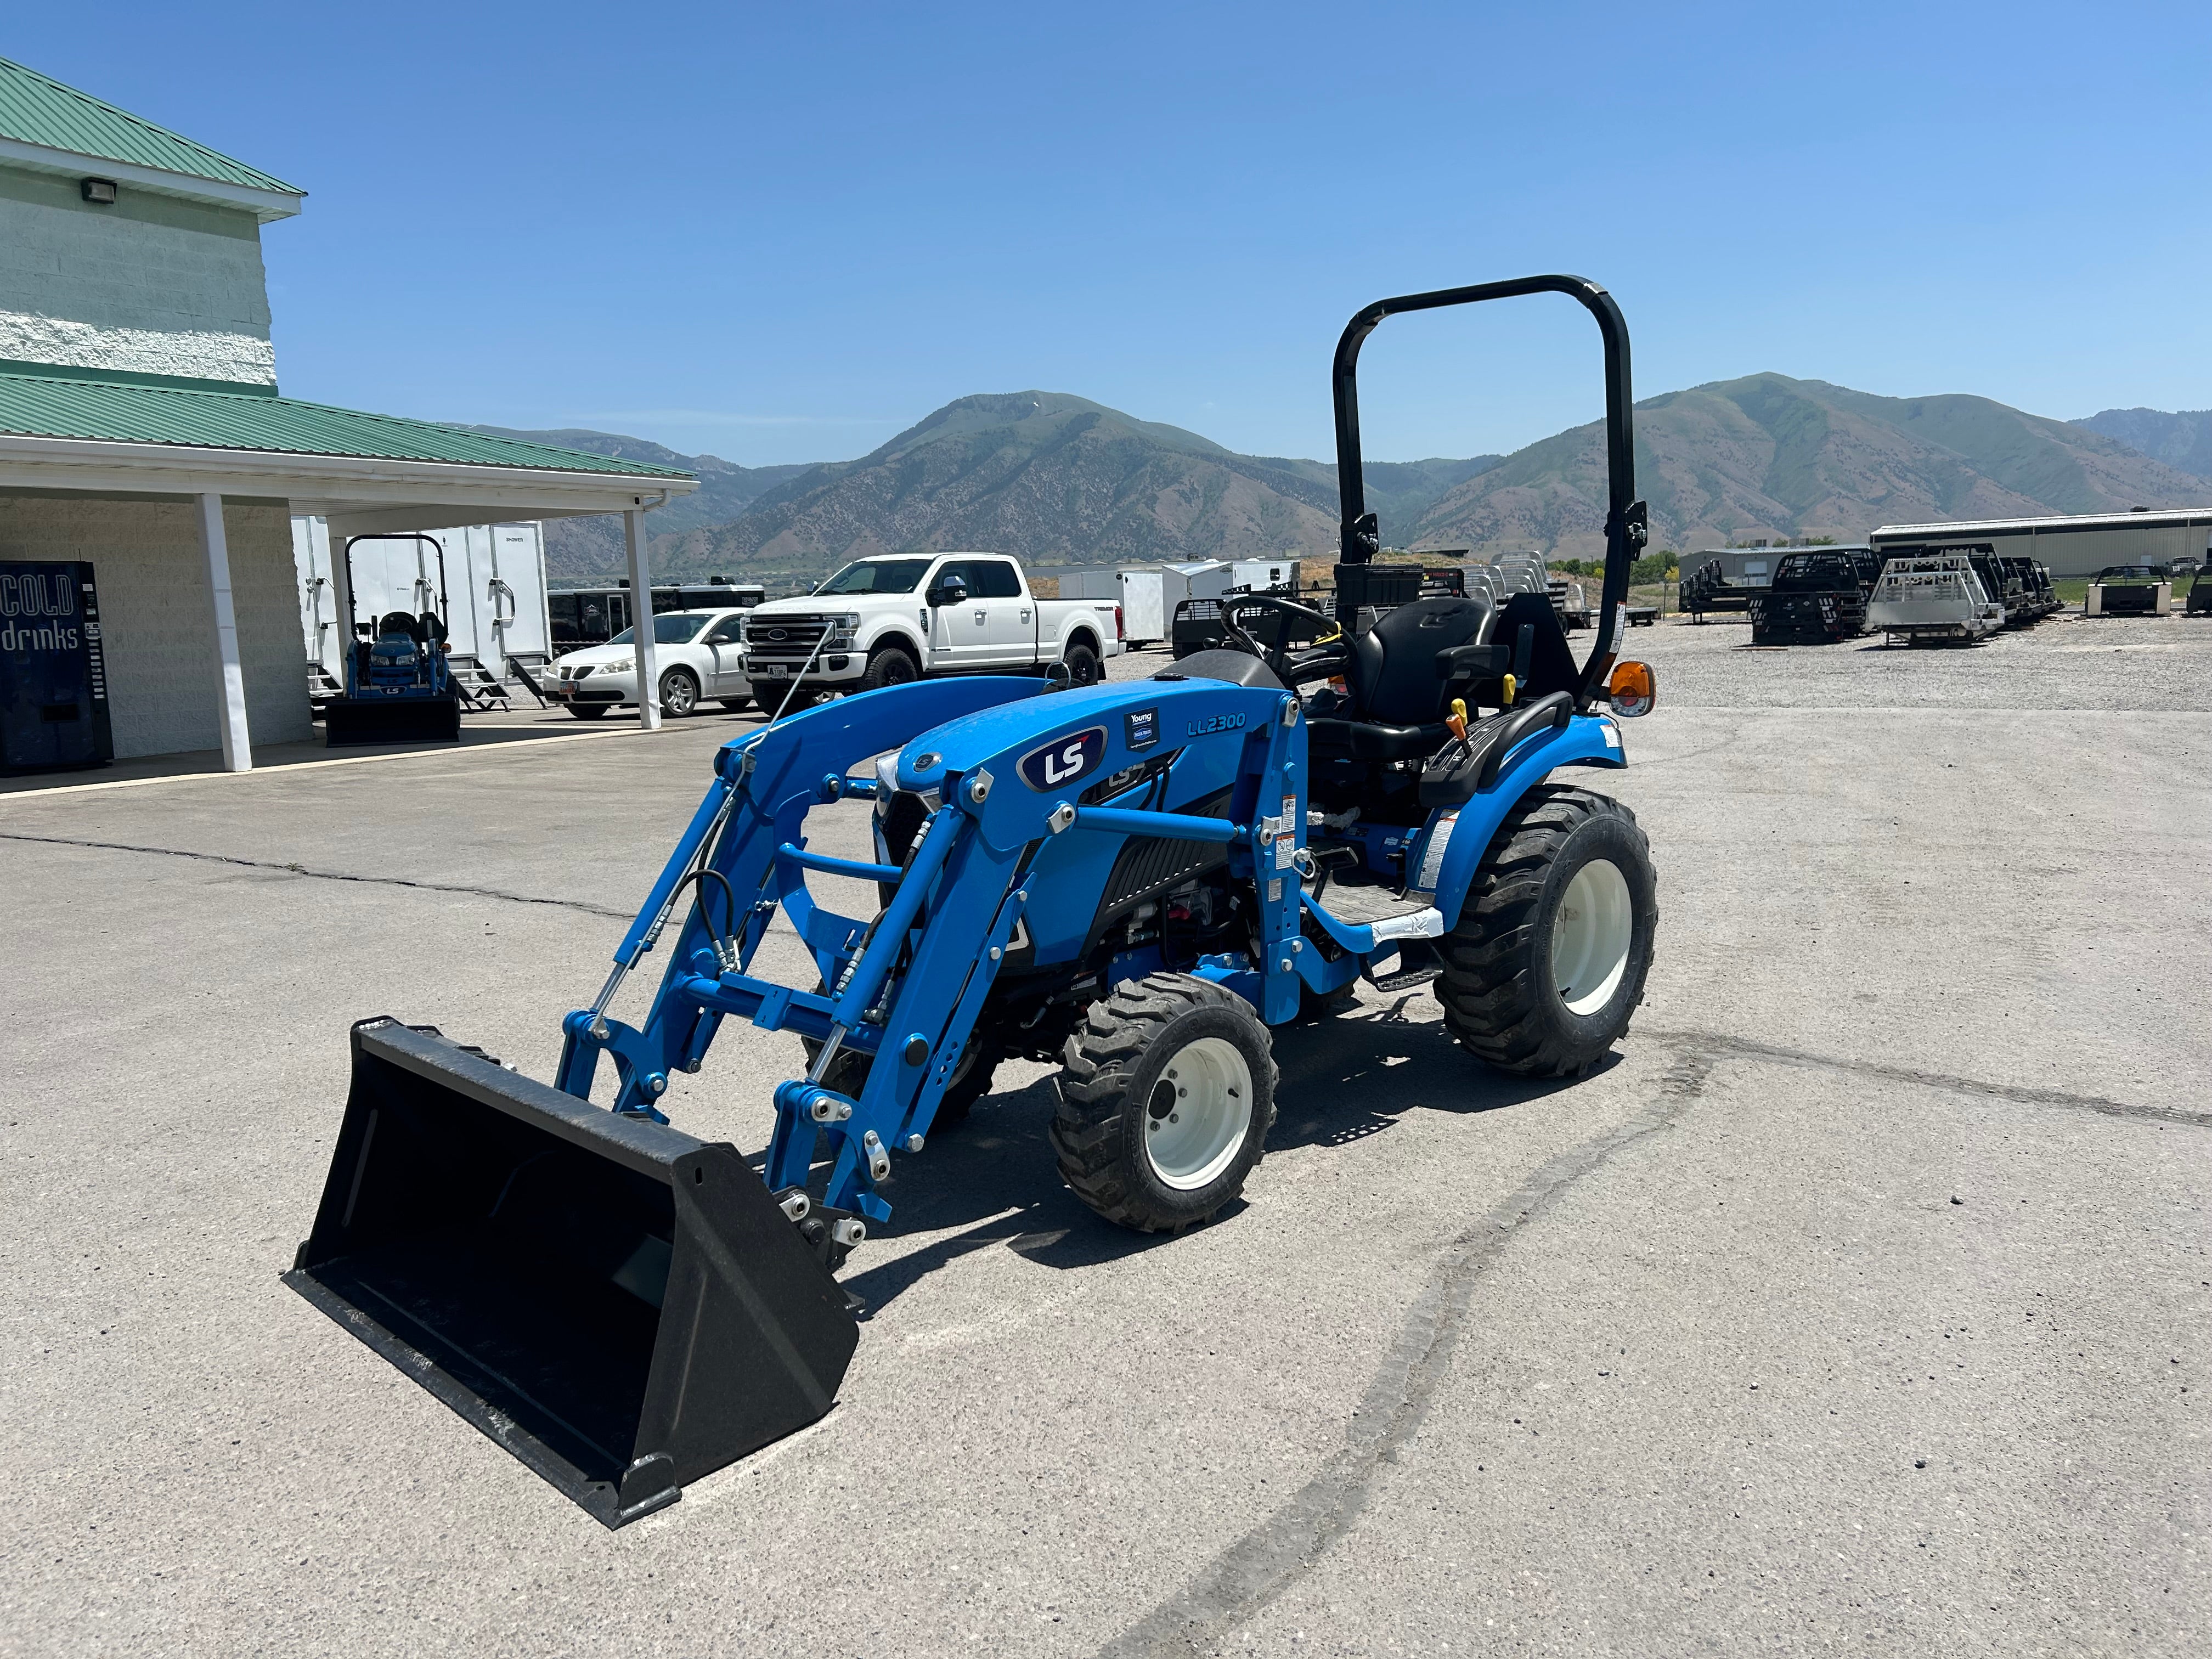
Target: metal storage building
2078,545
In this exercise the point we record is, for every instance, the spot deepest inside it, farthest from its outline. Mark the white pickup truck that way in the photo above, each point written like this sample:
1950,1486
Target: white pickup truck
889,620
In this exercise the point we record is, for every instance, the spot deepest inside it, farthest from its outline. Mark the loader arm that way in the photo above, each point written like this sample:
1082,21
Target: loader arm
1006,768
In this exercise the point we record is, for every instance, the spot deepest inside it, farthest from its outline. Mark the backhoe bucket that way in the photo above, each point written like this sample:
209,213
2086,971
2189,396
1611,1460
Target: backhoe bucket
350,721
623,1308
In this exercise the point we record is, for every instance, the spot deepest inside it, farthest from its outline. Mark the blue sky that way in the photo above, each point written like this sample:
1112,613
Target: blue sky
781,233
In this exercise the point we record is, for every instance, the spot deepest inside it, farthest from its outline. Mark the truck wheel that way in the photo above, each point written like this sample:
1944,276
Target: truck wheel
1548,960
889,666
1167,1091
1082,662
679,693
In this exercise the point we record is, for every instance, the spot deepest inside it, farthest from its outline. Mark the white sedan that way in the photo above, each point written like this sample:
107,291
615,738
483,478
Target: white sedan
700,657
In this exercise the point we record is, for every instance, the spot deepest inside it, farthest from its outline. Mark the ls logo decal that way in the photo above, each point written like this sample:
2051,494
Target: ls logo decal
1064,760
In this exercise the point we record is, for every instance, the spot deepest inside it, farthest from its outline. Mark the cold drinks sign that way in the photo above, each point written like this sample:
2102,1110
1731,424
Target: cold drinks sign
53,679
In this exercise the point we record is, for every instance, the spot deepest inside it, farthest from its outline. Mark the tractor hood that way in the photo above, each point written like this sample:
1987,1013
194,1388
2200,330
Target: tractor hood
1055,746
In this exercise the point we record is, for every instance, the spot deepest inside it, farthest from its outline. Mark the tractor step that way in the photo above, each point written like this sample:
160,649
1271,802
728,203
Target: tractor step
1418,964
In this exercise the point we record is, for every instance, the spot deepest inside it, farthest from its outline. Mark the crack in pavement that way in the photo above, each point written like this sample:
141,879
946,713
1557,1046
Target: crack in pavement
324,875
1738,1047
1260,1566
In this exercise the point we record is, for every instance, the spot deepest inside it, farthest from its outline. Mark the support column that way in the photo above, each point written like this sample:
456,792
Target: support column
641,605
230,673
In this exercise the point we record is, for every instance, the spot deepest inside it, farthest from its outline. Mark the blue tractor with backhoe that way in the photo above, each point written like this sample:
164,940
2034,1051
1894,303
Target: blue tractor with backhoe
1139,880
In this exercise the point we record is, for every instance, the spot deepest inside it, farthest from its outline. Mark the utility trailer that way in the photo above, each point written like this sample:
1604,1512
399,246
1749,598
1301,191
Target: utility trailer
1818,596
1140,878
487,583
1709,587
2130,590
1933,596
583,616
2200,592
2029,595
1197,624
1571,601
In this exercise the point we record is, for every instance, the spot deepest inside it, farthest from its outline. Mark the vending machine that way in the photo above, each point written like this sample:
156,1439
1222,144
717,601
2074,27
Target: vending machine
53,679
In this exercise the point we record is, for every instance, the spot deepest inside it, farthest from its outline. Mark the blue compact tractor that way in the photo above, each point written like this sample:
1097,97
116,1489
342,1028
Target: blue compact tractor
399,686
1138,879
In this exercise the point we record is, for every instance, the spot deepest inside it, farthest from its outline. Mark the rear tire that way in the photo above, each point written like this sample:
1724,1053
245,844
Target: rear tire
1083,666
1549,961
890,667
679,693
1167,1092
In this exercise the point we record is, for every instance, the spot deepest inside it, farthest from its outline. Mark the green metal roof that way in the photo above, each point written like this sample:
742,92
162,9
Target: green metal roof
37,109
53,406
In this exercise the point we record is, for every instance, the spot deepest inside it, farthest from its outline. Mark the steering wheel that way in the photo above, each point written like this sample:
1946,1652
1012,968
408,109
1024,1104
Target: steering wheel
1328,647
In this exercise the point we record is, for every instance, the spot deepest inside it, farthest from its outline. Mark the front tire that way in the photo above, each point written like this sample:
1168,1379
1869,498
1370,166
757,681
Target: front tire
890,667
1083,666
679,693
1167,1092
588,711
1547,964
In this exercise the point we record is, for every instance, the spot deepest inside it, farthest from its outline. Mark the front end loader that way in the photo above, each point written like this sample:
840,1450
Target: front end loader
1137,878
399,686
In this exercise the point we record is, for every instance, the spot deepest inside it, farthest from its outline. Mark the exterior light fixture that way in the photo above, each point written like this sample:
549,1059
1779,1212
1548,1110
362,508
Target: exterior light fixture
102,191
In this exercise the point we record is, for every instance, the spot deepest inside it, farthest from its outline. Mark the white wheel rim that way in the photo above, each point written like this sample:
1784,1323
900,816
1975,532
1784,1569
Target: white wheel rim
1591,935
1197,1115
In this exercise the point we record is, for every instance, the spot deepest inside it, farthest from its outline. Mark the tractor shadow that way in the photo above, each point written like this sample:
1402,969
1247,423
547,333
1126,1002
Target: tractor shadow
992,1181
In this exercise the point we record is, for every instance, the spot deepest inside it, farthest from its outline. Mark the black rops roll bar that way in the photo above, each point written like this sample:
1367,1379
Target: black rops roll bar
1627,526
445,609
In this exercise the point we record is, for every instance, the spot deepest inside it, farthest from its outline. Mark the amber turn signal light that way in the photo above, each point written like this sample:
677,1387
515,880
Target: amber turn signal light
1633,689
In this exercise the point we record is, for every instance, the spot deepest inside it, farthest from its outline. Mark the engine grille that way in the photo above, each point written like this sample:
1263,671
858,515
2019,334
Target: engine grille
799,637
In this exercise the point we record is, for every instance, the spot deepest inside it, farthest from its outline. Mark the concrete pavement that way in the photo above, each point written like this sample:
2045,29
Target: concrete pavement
1697,1355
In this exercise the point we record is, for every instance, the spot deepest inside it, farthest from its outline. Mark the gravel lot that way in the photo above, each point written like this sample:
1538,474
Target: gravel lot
1861,1306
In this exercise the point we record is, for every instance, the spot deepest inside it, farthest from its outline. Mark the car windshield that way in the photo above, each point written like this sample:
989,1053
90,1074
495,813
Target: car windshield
878,576
677,628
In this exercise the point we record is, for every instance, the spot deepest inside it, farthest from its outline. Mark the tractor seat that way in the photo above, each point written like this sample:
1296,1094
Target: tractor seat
399,622
1394,709
1369,741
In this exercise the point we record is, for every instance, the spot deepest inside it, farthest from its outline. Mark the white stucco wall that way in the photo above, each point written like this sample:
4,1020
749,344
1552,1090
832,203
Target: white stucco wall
151,285
157,617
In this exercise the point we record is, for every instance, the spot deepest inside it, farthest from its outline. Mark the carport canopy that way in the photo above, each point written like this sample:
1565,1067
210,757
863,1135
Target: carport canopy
95,433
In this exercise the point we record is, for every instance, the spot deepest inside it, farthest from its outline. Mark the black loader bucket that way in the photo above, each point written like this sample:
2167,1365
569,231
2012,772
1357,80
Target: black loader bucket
621,1307
350,721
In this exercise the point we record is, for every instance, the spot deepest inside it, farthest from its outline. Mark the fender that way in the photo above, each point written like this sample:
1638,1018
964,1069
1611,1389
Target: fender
1586,741
892,631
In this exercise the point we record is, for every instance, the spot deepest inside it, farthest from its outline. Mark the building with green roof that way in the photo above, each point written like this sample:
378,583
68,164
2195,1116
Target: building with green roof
142,428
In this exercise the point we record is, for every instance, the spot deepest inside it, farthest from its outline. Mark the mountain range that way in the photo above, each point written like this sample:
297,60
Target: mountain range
2182,439
1060,481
